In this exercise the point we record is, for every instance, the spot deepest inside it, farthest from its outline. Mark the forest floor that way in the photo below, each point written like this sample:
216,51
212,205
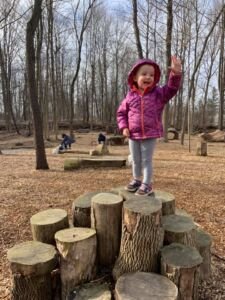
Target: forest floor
198,184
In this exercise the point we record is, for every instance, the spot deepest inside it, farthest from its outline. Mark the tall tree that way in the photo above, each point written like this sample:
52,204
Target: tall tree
41,161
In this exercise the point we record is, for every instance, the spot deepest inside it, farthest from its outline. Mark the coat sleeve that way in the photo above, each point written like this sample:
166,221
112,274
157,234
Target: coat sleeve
171,88
122,115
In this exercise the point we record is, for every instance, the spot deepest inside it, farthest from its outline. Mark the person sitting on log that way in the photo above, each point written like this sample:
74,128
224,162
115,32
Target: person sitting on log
101,138
66,142
139,116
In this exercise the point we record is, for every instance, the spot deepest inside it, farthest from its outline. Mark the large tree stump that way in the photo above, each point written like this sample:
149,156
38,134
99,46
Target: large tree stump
81,210
201,149
77,249
46,223
145,286
142,236
168,202
106,215
203,244
31,265
180,264
179,229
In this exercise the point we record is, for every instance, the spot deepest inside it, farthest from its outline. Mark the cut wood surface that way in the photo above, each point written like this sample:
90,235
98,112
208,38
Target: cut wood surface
106,216
145,286
180,264
31,265
179,229
77,248
73,164
46,223
142,236
32,257
81,210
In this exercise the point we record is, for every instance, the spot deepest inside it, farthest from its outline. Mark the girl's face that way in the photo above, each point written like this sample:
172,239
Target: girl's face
145,77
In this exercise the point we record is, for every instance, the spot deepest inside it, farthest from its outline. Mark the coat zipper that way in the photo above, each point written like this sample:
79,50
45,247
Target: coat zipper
142,117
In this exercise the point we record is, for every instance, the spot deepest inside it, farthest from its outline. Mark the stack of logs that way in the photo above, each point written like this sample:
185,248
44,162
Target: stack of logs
150,249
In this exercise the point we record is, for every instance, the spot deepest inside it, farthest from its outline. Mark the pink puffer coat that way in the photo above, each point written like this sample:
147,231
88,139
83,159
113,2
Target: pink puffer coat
142,114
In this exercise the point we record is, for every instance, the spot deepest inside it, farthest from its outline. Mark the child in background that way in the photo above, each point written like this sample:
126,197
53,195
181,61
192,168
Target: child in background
139,116
67,141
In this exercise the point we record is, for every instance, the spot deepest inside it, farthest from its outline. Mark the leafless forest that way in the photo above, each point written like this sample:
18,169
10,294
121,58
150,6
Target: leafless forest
67,61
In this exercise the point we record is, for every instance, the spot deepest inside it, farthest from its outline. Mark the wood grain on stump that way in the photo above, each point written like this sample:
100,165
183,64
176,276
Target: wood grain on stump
203,244
142,236
106,216
179,229
31,264
145,286
180,264
168,202
77,249
46,223
81,210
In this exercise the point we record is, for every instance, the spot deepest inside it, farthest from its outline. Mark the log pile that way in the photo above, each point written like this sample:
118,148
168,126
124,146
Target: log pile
130,246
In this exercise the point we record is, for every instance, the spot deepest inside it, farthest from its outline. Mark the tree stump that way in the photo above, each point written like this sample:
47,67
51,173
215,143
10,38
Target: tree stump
168,202
179,229
182,212
100,149
46,223
31,264
106,215
201,148
145,286
180,264
77,249
81,210
142,236
203,244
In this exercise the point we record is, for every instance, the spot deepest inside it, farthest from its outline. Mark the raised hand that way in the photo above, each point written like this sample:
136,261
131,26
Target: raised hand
176,67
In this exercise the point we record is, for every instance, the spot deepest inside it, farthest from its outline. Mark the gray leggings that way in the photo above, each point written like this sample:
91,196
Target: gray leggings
142,152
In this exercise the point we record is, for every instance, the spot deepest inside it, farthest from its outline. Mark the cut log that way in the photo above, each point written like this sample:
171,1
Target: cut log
95,291
173,134
81,210
181,264
168,202
46,223
203,244
179,229
73,164
201,149
142,236
31,264
77,248
106,216
145,286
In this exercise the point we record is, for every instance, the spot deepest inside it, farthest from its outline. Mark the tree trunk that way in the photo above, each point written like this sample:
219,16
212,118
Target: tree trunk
41,161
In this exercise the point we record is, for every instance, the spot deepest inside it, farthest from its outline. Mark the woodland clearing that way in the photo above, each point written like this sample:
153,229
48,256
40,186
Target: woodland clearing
197,182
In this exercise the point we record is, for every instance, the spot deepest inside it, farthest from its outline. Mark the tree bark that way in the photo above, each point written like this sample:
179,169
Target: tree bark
41,160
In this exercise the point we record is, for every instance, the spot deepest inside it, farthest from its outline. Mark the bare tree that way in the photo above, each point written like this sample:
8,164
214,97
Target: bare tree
41,161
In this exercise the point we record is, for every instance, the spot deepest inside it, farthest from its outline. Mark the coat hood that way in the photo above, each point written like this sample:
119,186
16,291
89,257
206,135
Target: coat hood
137,65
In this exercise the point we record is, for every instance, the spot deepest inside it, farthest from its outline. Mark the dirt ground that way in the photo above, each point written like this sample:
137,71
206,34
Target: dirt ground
198,184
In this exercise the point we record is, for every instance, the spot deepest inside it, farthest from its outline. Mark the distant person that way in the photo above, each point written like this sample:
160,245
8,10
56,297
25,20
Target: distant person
66,142
101,138
139,116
